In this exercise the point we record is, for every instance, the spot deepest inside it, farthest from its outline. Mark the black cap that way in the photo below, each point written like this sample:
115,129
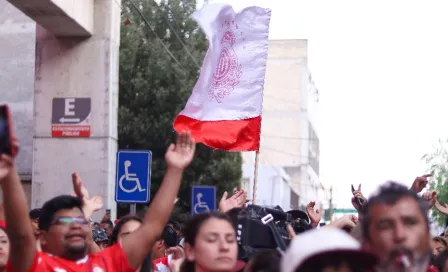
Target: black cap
175,224
169,236
35,213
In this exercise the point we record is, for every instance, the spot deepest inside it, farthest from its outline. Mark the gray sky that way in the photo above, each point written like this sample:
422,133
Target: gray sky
382,71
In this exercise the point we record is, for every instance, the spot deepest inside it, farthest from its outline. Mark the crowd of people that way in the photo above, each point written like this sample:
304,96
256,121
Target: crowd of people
390,233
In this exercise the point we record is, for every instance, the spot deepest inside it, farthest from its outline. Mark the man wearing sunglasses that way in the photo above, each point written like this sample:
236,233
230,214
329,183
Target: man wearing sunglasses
64,228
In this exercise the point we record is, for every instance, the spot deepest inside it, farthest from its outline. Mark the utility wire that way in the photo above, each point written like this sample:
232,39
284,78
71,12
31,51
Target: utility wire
161,41
177,36
155,34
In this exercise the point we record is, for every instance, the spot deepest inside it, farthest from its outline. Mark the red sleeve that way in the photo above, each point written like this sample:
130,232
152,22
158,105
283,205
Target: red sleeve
115,257
37,265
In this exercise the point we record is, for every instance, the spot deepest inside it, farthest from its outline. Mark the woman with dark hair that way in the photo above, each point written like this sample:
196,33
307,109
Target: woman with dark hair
210,243
266,261
125,226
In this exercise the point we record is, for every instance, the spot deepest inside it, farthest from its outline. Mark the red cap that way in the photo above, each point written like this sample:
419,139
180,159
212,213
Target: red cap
2,224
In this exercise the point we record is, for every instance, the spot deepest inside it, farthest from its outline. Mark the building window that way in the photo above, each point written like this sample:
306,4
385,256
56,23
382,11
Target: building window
313,150
246,184
294,200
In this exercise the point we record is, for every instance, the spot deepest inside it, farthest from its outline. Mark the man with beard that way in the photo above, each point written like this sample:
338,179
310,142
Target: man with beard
395,227
64,228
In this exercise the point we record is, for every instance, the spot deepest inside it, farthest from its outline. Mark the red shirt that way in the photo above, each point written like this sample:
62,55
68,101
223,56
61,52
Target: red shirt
162,264
109,260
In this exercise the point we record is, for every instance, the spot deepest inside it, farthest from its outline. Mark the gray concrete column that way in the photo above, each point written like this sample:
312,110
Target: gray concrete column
78,68
17,41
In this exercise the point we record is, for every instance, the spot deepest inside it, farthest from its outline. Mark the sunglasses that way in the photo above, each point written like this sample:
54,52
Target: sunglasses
70,220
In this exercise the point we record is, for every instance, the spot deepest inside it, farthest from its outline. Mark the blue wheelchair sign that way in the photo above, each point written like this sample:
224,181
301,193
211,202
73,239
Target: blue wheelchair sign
133,176
203,199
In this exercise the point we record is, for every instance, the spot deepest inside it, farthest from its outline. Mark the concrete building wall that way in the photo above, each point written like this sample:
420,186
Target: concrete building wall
273,186
84,68
17,41
287,60
290,126
38,65
310,185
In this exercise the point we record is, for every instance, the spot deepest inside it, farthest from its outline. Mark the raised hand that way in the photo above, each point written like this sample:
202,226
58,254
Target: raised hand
314,215
6,166
78,187
430,198
94,203
420,183
358,195
177,251
181,154
238,200
7,162
89,204
349,220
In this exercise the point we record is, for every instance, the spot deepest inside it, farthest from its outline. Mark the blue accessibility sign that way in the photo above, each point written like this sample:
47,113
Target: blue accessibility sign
133,178
203,199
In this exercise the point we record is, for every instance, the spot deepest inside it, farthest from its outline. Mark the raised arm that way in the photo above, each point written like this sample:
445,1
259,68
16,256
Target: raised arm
20,232
137,244
89,206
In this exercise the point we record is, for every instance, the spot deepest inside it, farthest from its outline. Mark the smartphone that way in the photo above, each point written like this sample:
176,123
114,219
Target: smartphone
182,242
108,211
5,130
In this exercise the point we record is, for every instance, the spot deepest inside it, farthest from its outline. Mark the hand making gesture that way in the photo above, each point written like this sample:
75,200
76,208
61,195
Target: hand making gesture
89,204
420,183
238,200
430,198
358,199
314,215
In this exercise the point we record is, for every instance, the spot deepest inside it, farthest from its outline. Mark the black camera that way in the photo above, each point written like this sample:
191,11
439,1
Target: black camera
260,228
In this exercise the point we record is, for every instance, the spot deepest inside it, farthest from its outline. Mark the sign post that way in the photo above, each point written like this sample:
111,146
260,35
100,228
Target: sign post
203,199
70,117
133,209
133,177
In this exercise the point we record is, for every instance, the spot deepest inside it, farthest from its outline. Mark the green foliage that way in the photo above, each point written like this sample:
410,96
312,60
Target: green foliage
438,162
154,88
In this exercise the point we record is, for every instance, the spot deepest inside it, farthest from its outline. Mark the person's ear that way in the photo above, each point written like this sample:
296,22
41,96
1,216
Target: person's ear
43,237
159,244
189,253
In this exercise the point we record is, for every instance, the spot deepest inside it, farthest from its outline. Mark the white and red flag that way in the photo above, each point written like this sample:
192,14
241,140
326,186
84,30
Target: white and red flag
224,109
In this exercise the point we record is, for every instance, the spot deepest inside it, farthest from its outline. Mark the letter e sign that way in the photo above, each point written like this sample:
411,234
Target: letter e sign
70,117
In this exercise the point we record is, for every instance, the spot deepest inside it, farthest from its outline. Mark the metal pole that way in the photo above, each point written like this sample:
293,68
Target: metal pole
133,208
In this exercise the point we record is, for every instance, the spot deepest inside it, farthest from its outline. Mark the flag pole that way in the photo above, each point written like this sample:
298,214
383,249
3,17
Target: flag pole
254,193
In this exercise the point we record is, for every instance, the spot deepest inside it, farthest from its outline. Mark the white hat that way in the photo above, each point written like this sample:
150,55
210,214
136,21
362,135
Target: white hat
321,242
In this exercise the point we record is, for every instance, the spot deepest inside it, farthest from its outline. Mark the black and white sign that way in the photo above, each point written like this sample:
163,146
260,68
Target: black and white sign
71,117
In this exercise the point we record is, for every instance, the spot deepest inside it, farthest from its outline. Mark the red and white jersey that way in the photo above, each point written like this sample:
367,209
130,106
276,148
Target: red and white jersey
112,259
162,264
